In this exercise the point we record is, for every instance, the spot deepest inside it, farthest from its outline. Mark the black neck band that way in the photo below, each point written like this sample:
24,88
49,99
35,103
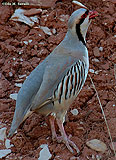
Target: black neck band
78,30
79,34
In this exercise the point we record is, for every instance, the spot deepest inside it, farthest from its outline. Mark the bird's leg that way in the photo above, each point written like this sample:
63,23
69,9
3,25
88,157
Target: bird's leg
54,135
66,139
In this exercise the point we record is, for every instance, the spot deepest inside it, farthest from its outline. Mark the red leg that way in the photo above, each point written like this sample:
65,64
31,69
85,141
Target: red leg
66,139
54,135
63,138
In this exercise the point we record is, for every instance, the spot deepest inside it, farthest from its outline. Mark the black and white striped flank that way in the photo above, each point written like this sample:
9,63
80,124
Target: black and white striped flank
71,83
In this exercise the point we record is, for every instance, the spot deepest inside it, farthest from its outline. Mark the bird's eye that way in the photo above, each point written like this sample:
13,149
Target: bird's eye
84,15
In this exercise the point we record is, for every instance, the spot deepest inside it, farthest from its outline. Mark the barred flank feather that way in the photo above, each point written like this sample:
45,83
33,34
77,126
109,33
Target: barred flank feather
71,83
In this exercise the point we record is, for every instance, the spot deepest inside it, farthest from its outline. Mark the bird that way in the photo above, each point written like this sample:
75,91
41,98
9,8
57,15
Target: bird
55,83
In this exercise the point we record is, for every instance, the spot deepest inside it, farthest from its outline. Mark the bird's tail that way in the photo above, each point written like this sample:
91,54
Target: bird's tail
16,123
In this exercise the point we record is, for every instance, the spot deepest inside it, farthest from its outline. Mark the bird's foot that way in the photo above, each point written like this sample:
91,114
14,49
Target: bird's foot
63,138
69,144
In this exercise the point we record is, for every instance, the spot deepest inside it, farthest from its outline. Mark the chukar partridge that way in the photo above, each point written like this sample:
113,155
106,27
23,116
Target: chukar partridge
54,84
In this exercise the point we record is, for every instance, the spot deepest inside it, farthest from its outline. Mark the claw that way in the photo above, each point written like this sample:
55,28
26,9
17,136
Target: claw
68,143
74,146
63,138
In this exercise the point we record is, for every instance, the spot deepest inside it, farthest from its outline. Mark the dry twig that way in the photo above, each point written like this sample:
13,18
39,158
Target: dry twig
103,114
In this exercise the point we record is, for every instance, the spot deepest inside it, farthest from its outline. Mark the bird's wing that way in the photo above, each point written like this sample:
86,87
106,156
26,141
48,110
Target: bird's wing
26,94
39,85
54,72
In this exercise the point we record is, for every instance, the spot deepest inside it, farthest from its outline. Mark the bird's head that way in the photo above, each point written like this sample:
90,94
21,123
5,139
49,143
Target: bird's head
79,22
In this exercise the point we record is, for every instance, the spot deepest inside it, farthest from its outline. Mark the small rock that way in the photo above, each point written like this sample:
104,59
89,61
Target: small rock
46,30
64,18
25,42
91,70
18,85
97,145
54,31
96,72
96,52
3,133
74,112
73,158
101,49
98,157
93,156
22,76
95,60
30,40
32,12
113,57
41,43
19,16
14,58
44,11
10,74
21,59
4,152
13,96
20,52
44,153
7,144
34,19
1,125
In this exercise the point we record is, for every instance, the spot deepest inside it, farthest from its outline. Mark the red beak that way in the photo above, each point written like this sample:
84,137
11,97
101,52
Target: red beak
93,14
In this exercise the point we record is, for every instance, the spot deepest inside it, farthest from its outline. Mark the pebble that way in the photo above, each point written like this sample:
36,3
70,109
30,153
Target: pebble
96,52
44,11
13,96
95,60
44,153
32,12
30,40
97,145
3,133
91,70
22,76
34,19
7,144
18,85
64,18
21,59
20,52
46,30
54,31
19,16
74,112
25,42
4,152
101,49
14,58
10,74
98,157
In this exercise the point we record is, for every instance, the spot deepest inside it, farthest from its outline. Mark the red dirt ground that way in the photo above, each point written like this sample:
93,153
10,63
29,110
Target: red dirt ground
89,123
